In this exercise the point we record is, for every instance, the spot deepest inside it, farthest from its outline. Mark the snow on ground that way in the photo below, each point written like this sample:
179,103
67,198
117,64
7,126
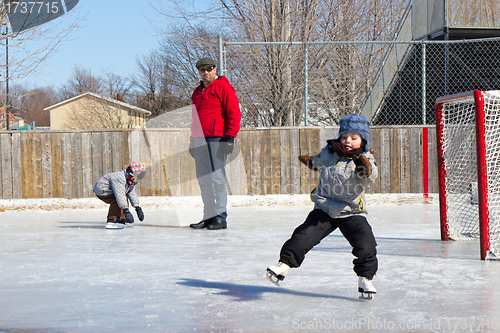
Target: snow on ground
195,201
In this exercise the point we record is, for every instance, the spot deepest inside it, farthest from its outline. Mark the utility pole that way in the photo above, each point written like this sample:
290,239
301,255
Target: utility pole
7,102
7,111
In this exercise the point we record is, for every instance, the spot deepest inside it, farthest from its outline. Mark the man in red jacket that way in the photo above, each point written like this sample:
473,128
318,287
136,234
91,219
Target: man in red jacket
216,123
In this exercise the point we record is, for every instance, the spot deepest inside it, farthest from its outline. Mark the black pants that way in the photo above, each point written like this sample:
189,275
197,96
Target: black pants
318,225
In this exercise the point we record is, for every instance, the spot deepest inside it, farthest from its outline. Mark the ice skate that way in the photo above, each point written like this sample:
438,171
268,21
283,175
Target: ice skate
366,288
277,273
114,224
127,224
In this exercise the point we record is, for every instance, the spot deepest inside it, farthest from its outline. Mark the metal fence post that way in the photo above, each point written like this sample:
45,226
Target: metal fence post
220,43
424,113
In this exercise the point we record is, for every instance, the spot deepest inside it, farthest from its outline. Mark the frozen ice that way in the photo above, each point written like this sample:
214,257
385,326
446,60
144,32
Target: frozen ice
61,271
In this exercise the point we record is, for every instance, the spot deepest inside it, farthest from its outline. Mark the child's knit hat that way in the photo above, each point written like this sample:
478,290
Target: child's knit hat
135,171
355,123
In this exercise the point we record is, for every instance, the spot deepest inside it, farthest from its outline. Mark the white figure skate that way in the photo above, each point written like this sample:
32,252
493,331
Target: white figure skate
277,273
366,288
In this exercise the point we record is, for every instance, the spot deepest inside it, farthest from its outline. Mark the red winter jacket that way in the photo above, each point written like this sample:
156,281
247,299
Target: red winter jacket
216,110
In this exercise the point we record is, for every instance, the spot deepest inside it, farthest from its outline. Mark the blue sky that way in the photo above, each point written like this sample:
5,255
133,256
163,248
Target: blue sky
113,34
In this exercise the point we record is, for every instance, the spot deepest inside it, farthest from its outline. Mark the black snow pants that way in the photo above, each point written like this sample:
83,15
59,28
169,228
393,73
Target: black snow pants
318,225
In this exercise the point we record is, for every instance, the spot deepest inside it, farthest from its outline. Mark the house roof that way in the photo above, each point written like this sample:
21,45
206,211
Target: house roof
114,101
178,118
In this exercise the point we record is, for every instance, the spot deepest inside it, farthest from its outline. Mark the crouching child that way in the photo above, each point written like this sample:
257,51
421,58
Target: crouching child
117,189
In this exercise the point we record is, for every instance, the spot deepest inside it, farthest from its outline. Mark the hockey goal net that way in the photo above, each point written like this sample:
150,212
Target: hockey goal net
468,144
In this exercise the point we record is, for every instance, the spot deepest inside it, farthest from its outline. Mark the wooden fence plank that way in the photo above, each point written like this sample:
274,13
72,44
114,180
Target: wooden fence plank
265,158
66,165
256,166
107,157
165,164
76,168
375,146
245,149
415,156
6,165
385,161
188,187
56,151
96,148
395,139
117,155
405,170
26,152
155,163
175,177
145,157
17,166
46,166
274,167
285,162
315,147
295,165
37,164
433,163
87,184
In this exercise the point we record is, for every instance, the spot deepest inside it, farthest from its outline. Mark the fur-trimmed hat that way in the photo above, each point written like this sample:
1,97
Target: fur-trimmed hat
135,171
355,123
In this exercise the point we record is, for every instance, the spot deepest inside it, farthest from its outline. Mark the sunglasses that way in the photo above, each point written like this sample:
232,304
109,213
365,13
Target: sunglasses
203,70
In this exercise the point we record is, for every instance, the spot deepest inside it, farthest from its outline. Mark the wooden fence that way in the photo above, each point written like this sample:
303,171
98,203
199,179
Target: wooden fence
66,164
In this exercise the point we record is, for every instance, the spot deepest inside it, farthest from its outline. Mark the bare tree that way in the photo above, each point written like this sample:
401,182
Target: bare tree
81,81
267,78
28,104
162,89
117,87
25,50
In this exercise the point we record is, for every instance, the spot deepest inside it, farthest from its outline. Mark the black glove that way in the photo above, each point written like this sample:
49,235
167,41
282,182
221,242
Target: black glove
363,166
128,215
228,149
139,212
191,148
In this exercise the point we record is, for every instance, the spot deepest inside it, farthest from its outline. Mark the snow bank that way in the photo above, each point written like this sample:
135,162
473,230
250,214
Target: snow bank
195,201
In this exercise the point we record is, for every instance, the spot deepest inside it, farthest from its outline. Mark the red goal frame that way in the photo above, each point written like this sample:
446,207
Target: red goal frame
482,179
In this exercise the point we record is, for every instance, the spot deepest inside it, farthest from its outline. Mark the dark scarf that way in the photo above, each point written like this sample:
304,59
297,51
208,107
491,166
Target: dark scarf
335,146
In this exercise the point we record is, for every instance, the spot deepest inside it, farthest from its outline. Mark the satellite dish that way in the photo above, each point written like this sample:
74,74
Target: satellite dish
25,15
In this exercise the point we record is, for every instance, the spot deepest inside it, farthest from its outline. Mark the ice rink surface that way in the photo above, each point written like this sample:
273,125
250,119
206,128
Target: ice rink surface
61,271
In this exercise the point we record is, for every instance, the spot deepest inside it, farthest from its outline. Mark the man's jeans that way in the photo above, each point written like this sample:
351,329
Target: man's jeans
210,160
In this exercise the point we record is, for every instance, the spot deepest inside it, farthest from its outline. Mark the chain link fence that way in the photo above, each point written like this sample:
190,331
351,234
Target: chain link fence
317,83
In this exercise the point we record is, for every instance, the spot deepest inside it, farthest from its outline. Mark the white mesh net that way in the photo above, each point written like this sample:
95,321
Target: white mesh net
460,163
459,154
492,139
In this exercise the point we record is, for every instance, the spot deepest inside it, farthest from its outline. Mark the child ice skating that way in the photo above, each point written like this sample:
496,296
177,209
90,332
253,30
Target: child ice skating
346,167
116,189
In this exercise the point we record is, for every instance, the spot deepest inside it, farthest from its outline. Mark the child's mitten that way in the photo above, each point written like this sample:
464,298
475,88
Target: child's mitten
307,160
140,213
363,166
128,215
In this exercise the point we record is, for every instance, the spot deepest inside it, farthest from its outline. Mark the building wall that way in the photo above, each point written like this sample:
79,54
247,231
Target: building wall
98,113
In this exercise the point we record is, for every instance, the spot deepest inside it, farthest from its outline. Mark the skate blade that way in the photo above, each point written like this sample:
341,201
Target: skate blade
367,296
273,277
114,226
